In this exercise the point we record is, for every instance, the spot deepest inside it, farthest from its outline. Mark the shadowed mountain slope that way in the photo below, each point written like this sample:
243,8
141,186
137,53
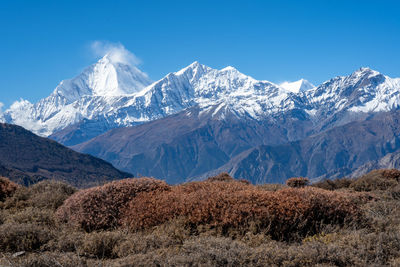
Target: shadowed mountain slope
27,158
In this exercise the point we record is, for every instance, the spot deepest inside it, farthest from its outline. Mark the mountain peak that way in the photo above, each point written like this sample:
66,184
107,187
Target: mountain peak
107,77
363,71
229,68
297,86
196,68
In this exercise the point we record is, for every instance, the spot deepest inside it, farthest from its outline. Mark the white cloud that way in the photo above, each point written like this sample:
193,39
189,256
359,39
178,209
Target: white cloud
1,108
115,51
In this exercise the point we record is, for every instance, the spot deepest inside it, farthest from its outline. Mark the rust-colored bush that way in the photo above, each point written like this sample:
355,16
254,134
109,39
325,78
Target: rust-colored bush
99,207
297,182
283,214
377,180
7,188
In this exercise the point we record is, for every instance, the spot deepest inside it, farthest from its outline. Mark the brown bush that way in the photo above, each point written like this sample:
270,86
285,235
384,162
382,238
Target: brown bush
225,177
271,187
7,188
47,259
49,194
32,215
27,237
101,244
377,180
45,195
297,182
66,240
334,184
239,208
99,207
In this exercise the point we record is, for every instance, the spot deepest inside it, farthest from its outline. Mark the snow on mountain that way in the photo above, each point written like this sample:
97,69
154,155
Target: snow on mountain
118,95
72,100
365,90
105,78
297,86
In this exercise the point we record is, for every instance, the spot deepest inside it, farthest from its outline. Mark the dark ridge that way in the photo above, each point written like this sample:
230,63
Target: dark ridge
27,158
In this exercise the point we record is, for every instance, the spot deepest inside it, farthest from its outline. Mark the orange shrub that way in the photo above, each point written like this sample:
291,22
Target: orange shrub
284,214
7,188
99,207
297,182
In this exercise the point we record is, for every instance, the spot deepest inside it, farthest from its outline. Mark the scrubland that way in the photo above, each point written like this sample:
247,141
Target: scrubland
217,222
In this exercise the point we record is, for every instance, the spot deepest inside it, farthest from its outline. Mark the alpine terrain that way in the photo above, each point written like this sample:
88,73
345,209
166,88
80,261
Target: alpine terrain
200,120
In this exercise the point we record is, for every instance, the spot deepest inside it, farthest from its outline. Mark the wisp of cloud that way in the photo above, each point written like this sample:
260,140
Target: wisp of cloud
115,51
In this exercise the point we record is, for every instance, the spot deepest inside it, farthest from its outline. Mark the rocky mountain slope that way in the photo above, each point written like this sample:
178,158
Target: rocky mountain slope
189,143
27,158
351,149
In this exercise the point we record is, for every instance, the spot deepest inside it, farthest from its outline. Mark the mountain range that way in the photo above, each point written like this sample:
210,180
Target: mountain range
201,120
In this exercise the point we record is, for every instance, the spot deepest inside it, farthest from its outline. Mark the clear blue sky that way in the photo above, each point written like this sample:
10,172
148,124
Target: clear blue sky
43,42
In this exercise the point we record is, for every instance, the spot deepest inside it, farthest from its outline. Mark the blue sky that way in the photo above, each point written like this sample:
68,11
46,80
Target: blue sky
43,42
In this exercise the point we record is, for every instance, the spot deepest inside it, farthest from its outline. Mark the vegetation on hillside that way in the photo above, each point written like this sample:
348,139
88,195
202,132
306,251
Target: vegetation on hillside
220,222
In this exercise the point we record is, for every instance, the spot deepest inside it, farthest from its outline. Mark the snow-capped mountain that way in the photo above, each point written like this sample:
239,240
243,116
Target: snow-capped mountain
118,95
85,96
216,115
297,86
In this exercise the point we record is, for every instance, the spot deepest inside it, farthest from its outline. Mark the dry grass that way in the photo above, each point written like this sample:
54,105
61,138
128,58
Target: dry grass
219,222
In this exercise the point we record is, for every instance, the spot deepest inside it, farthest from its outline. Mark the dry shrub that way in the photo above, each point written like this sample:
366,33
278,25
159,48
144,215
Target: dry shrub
47,259
377,180
225,177
66,240
334,184
238,208
7,188
45,195
49,194
271,187
32,215
27,237
101,244
165,236
395,192
297,182
99,207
